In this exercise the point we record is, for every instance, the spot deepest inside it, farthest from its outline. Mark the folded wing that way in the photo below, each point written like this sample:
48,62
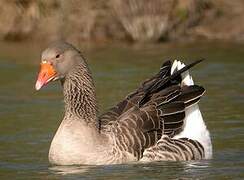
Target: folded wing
155,109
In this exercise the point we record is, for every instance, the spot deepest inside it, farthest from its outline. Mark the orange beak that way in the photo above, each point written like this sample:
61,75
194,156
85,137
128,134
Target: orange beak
46,74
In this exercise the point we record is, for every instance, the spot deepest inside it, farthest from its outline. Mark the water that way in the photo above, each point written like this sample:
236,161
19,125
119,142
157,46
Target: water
29,119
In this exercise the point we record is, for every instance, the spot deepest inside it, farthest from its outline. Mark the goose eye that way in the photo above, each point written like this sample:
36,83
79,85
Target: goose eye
58,55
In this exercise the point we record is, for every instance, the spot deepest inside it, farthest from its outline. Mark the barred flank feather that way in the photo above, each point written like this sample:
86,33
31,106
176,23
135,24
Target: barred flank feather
174,150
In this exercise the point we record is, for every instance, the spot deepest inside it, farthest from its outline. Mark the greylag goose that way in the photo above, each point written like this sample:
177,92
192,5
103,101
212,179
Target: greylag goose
159,121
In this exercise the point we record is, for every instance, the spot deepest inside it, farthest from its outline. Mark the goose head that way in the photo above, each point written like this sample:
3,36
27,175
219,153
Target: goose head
56,62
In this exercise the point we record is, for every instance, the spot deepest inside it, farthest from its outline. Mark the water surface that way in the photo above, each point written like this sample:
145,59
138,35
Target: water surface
29,119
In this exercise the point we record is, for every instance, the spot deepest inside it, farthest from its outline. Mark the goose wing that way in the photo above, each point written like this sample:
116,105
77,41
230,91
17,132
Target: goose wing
142,127
156,108
133,98
149,91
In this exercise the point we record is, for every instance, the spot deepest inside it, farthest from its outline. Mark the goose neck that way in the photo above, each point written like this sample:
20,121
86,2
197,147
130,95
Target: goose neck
79,95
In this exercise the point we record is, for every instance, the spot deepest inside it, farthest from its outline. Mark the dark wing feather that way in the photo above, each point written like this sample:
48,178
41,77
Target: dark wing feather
156,108
143,94
141,127
164,82
191,94
133,98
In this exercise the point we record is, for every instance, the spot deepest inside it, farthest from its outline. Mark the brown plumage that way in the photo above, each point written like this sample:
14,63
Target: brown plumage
140,127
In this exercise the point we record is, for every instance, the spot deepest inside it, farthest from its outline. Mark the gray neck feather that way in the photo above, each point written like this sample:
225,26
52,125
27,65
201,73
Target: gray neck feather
79,95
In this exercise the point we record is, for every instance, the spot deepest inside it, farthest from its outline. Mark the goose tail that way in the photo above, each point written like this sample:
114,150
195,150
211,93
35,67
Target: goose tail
195,127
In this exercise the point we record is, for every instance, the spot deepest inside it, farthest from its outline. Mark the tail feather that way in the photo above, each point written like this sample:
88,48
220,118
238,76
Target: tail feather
163,80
